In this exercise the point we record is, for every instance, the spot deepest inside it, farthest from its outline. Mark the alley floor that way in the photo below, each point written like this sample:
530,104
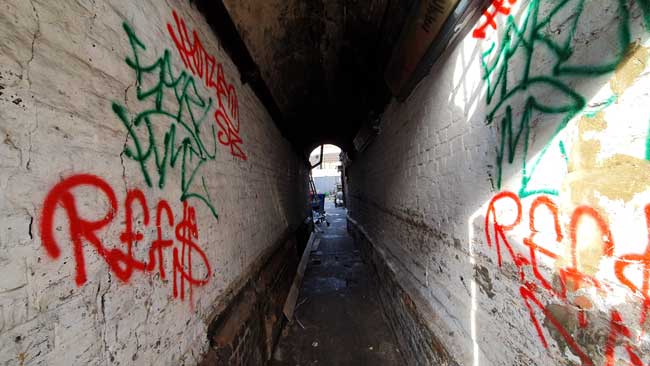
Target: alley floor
338,320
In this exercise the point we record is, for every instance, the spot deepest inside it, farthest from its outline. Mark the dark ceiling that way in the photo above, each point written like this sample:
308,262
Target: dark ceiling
321,60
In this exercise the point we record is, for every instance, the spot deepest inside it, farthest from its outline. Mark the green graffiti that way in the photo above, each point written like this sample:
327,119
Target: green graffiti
645,6
175,108
563,152
513,82
647,144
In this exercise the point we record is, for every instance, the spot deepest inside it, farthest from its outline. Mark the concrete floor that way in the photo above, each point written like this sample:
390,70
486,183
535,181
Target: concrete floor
341,315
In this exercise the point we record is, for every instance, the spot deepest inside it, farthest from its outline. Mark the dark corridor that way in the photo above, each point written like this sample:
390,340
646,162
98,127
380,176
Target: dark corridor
338,320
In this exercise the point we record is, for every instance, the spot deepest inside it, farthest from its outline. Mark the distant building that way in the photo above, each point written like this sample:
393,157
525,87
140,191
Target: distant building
327,175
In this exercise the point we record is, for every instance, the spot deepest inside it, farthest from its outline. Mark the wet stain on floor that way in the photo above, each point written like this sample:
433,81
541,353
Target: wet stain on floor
338,319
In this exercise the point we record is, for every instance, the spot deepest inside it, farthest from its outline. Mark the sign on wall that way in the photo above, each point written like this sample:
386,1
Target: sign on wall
421,29
432,26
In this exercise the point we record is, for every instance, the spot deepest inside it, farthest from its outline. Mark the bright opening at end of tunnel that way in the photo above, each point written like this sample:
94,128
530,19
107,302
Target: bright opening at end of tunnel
326,171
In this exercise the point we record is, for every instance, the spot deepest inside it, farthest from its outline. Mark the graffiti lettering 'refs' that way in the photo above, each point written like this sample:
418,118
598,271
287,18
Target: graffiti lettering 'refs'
177,108
202,64
572,275
517,94
121,260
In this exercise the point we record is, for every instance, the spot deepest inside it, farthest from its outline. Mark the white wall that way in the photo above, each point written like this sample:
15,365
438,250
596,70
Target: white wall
422,190
64,75
326,184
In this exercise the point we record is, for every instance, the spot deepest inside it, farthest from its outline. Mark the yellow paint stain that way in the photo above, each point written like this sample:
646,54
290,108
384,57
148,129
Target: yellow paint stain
632,65
620,177
597,123
584,151
589,246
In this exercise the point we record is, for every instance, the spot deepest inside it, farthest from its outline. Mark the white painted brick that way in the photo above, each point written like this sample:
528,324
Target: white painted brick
65,61
475,327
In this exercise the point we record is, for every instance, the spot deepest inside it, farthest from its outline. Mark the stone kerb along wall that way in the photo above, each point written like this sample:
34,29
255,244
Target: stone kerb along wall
140,182
514,214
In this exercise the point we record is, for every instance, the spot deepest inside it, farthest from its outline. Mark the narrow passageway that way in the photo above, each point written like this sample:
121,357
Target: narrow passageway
339,318
162,164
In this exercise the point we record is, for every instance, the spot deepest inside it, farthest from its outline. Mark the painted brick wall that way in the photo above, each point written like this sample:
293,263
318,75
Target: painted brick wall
124,138
509,192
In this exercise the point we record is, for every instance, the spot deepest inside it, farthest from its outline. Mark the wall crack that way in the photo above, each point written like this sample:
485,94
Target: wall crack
37,34
29,152
126,139
103,315
31,223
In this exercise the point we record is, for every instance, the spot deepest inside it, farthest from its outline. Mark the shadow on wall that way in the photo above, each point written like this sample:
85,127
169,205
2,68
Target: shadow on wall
558,247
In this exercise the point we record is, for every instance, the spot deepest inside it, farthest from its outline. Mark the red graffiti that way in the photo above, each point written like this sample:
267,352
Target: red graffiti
187,232
203,65
500,229
571,276
498,7
159,244
528,295
125,263
534,247
122,261
642,260
617,328
80,229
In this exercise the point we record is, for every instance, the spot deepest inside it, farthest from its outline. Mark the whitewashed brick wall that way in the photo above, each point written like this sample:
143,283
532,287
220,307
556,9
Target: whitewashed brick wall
422,189
63,65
